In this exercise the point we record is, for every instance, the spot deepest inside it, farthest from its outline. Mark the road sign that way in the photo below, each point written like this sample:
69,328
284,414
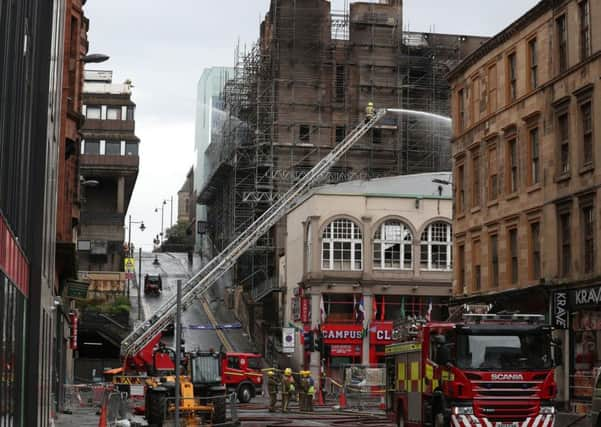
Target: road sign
76,289
288,340
129,264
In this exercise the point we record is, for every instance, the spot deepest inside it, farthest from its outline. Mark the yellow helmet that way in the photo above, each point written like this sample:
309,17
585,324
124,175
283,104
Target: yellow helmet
287,371
270,373
306,373
371,104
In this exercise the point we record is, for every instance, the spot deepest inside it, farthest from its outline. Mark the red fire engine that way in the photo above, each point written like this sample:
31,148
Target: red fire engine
488,371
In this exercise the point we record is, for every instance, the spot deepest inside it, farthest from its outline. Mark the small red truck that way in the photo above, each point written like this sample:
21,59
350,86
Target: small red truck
153,284
487,370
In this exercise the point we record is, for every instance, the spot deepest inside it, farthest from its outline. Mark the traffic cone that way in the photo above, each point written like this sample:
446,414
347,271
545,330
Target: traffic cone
102,420
382,403
342,400
320,401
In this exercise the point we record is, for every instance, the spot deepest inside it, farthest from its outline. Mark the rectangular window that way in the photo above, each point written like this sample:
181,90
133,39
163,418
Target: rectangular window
131,148
475,180
493,182
113,113
535,260
340,133
494,261
587,133
512,166
461,272
304,133
565,243
476,267
562,43
588,237
130,113
92,147
461,109
475,100
492,88
534,175
460,189
112,148
512,82
533,59
93,112
513,255
340,84
563,128
585,29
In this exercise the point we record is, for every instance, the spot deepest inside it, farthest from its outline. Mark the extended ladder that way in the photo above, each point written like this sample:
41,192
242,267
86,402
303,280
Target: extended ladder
219,265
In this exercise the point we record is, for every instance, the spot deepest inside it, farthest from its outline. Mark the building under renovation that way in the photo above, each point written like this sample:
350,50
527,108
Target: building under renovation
296,93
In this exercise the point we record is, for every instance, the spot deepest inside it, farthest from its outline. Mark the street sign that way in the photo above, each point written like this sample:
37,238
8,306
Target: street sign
129,264
288,340
77,289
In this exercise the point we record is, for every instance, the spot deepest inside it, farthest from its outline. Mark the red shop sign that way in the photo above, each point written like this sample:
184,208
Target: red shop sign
305,310
345,350
73,325
342,334
380,332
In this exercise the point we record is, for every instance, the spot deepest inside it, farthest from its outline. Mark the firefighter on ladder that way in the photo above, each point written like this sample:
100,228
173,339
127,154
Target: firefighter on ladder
370,111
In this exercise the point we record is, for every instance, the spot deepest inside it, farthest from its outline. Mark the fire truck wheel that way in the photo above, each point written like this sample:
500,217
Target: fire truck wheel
244,393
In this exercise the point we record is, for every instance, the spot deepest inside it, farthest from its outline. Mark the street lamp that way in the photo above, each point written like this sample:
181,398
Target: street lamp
94,58
129,252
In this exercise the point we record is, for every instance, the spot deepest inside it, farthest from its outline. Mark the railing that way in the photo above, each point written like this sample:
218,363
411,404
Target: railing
264,288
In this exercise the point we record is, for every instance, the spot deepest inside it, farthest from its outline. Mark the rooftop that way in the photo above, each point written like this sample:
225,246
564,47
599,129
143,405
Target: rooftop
423,185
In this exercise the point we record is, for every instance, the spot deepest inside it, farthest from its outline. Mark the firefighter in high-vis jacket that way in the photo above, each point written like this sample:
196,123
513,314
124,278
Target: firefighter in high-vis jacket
273,384
370,111
288,388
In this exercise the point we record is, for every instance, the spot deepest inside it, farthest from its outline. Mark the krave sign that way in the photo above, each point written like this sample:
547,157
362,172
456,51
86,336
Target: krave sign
587,296
560,310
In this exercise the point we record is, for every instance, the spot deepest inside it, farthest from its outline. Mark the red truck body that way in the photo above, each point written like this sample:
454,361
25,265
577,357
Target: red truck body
497,372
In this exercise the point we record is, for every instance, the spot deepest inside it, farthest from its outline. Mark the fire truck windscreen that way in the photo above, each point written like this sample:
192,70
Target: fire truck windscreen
510,352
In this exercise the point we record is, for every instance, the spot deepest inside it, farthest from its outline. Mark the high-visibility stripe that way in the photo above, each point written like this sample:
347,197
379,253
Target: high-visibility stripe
429,371
414,371
548,421
401,371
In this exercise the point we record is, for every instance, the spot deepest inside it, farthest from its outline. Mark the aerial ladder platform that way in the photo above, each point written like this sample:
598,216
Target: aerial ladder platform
146,333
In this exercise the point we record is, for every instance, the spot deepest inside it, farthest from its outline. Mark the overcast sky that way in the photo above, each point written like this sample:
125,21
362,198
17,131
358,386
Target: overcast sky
163,46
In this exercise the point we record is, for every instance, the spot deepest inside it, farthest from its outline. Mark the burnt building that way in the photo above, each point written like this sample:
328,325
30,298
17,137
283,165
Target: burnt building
108,168
31,60
297,93
526,156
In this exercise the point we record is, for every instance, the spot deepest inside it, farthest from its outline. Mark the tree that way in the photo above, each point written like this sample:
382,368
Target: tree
179,234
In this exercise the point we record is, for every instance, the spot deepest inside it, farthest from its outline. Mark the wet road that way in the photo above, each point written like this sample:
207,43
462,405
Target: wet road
173,267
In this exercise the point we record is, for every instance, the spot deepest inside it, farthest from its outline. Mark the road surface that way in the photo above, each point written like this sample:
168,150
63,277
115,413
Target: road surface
199,316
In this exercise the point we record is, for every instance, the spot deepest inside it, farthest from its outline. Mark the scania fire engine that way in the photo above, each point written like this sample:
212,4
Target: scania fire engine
487,370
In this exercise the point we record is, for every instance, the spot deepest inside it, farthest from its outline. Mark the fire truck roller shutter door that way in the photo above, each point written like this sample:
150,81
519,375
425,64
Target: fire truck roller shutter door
414,378
402,378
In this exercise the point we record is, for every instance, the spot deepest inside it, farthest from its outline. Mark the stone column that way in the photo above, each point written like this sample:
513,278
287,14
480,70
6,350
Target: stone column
121,194
315,361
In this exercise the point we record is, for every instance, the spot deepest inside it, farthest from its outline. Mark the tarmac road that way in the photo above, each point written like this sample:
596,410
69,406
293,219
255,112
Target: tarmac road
173,267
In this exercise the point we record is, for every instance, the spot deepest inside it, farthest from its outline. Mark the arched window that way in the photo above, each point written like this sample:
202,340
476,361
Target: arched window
341,247
393,246
436,246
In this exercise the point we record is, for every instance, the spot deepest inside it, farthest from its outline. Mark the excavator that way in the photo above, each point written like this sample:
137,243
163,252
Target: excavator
203,398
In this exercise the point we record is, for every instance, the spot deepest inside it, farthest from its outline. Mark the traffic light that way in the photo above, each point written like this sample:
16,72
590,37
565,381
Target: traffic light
318,342
308,341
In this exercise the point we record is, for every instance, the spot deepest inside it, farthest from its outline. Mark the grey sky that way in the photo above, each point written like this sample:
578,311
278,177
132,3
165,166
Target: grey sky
163,47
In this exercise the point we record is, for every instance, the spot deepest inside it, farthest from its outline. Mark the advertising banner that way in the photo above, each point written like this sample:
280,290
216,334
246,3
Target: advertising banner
342,334
380,332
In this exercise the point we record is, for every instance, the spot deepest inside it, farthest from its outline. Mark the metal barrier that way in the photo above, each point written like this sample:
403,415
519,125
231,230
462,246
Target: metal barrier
581,391
85,395
364,386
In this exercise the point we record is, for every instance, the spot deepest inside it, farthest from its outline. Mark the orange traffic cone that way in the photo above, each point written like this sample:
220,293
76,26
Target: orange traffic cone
320,401
382,403
342,400
103,415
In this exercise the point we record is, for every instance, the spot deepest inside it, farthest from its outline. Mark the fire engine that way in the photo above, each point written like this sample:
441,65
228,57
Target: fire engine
489,370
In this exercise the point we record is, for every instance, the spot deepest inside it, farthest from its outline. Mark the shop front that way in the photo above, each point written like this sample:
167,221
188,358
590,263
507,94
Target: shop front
380,334
343,345
579,312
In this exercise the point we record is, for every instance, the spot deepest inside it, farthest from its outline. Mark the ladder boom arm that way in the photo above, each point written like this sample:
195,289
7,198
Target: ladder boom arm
219,265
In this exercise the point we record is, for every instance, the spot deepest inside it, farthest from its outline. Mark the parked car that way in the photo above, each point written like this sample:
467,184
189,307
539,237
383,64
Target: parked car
153,284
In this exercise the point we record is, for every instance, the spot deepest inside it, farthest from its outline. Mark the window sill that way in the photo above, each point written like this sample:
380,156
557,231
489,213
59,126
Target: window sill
461,215
563,177
512,196
437,270
534,187
586,169
386,269
475,210
492,203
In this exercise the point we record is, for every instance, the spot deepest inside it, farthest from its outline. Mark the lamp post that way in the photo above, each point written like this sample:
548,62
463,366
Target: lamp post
162,212
129,251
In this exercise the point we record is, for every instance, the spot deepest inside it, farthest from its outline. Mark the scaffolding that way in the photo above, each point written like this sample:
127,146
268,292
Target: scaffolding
296,92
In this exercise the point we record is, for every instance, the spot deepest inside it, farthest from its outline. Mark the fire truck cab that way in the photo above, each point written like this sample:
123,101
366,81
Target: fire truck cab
488,371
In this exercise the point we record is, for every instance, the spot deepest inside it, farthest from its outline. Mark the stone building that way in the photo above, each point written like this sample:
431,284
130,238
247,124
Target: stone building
526,157
383,245
296,94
